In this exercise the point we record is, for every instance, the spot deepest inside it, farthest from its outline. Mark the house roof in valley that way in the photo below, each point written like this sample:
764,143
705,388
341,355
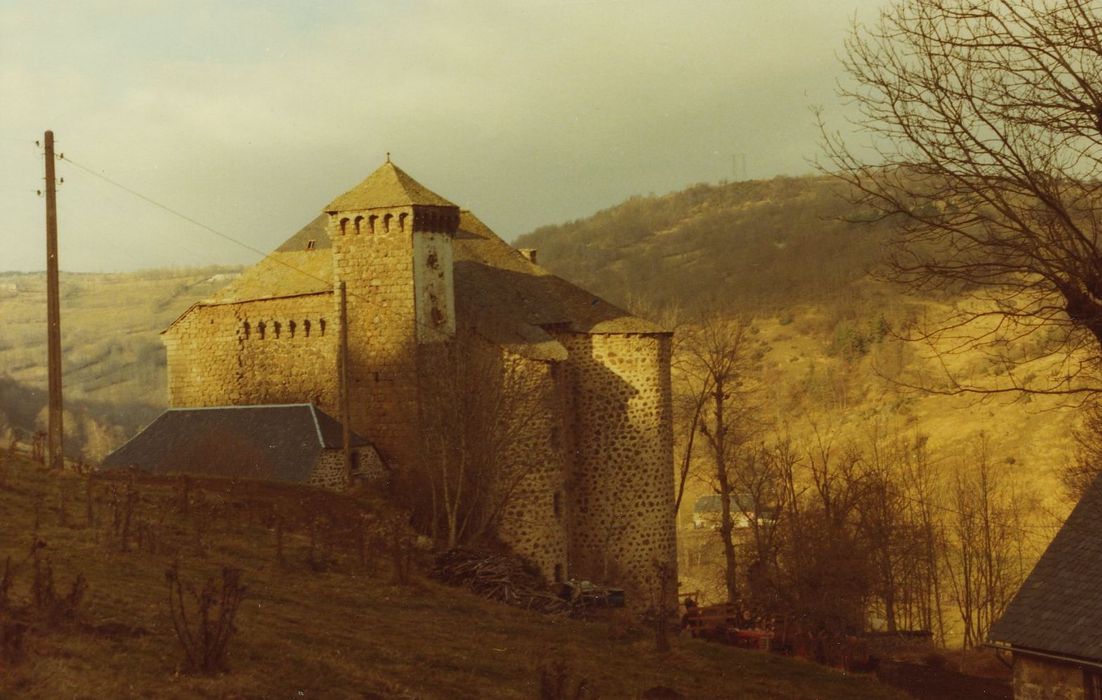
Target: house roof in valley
280,441
501,293
1058,609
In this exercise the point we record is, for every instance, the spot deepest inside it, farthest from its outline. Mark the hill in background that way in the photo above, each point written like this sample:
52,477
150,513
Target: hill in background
753,247
795,256
790,252
113,360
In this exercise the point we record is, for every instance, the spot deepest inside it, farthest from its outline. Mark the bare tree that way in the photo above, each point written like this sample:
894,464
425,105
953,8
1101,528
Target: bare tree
714,360
482,430
984,125
760,480
986,564
1086,461
922,487
903,535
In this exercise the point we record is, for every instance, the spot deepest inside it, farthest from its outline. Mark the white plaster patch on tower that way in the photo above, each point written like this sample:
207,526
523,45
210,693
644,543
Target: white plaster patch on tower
433,285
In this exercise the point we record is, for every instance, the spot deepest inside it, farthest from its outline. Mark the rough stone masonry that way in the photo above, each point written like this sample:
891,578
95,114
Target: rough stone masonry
420,274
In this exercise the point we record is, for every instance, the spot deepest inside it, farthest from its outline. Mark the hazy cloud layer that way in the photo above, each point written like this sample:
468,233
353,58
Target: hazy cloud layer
251,116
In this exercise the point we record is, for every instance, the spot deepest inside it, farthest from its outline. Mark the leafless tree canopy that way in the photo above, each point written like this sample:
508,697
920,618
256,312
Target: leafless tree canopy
481,427
984,120
712,357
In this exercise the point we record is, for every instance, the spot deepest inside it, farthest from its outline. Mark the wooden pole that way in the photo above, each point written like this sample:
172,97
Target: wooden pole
55,430
346,432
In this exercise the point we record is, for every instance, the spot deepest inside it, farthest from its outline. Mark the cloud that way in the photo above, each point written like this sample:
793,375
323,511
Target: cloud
250,116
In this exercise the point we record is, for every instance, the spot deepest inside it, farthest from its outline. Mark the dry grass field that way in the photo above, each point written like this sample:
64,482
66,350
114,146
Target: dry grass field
324,620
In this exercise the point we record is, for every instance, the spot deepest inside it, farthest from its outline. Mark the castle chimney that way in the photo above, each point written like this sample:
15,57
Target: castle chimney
529,254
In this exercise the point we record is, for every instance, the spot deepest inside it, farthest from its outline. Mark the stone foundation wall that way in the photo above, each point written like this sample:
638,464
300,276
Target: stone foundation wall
328,473
621,487
255,352
1043,679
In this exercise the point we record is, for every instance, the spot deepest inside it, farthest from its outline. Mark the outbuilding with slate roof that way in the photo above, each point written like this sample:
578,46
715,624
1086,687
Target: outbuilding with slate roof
427,292
295,443
1053,625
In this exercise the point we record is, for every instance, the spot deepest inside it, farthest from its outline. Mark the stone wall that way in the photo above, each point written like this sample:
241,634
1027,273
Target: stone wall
328,473
255,352
376,264
621,487
1036,678
534,523
433,270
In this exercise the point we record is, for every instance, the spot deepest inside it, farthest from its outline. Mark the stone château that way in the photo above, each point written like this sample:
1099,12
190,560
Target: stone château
420,276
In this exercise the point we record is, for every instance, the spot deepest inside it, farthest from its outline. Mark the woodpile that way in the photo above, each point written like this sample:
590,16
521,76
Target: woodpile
502,577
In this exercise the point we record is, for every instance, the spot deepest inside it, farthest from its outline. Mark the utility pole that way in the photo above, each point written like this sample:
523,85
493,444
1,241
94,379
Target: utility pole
738,159
55,458
346,436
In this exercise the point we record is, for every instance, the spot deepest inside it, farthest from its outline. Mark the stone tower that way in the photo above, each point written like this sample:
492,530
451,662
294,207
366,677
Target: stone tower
392,247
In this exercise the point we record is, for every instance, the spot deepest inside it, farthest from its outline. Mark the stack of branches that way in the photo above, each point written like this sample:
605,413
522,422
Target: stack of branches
508,578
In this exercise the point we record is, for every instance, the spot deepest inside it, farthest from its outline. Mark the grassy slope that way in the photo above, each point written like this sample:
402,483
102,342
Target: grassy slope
346,632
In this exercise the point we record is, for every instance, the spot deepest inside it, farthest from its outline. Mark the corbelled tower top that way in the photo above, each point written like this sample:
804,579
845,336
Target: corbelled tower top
389,187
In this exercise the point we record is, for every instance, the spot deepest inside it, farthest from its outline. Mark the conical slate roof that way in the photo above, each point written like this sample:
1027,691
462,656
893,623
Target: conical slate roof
388,186
509,299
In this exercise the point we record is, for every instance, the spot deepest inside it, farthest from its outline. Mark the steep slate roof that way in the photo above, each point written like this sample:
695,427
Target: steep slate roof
509,299
1058,609
280,442
388,186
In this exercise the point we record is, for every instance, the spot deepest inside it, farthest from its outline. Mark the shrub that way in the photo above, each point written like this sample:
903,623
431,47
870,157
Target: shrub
555,683
50,607
205,635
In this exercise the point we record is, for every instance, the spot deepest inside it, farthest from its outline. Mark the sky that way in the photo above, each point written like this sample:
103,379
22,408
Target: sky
250,116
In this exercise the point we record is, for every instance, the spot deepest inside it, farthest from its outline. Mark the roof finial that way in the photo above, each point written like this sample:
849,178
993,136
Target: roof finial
388,156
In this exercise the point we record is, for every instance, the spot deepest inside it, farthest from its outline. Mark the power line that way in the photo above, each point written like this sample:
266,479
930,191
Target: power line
195,222
167,208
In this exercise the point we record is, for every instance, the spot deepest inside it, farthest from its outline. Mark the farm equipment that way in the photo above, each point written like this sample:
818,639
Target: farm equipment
727,624
589,595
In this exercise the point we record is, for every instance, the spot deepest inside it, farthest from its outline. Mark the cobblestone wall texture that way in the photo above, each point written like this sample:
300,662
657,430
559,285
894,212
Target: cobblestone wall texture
328,473
621,486
535,520
1041,679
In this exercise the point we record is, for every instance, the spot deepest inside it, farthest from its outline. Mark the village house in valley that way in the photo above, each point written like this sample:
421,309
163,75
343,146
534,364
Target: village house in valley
1053,626
428,293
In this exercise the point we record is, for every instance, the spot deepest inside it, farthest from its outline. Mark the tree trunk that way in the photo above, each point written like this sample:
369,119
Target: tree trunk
726,527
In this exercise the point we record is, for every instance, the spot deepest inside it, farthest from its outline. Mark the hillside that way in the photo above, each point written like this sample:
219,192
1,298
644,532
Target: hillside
113,361
321,615
792,254
783,250
754,247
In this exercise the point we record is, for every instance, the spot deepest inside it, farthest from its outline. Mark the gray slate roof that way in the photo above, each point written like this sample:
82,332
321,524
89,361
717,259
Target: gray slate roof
1059,607
280,442
507,298
388,186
